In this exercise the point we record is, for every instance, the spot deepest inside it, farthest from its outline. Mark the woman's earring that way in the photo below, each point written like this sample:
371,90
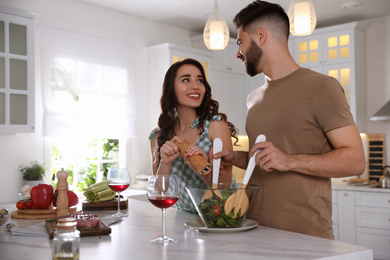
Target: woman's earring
175,112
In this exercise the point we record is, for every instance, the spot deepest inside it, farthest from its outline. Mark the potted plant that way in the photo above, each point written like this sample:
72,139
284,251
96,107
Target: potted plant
33,174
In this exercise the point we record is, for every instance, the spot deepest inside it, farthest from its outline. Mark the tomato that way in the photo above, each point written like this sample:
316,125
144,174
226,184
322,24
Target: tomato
20,204
217,211
73,200
216,206
224,202
28,204
42,196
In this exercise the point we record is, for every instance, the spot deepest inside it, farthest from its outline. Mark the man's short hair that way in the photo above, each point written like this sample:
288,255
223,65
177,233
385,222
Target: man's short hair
272,14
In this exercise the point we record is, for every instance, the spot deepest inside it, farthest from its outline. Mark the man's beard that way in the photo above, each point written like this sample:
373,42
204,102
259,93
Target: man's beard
253,57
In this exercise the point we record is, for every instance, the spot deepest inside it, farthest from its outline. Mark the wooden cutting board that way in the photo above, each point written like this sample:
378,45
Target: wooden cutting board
101,230
39,213
106,205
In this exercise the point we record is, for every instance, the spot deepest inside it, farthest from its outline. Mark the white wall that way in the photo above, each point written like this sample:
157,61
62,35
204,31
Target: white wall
378,75
77,16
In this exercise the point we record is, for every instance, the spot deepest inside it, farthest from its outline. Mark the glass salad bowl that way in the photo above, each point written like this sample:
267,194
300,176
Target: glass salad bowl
213,205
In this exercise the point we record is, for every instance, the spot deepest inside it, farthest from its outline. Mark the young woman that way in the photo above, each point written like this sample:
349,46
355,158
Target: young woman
189,112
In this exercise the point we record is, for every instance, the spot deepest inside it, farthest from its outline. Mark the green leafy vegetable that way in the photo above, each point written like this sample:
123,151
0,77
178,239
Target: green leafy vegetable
214,214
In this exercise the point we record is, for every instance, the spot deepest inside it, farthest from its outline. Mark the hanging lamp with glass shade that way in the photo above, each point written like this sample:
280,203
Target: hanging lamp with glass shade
302,17
216,31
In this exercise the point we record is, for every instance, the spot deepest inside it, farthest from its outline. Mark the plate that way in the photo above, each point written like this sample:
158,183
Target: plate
198,225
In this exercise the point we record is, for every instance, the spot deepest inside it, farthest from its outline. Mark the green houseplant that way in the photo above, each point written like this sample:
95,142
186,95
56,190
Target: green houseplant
34,172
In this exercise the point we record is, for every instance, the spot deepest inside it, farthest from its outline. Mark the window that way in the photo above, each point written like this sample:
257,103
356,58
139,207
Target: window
88,163
89,101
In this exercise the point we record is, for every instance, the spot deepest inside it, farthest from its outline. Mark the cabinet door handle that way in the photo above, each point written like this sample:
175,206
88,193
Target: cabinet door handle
345,194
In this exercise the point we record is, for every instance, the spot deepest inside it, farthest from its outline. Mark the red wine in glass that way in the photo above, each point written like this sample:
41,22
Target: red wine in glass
163,202
163,191
118,179
118,187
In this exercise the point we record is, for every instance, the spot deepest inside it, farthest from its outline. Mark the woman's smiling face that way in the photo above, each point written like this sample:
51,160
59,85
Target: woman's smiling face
189,86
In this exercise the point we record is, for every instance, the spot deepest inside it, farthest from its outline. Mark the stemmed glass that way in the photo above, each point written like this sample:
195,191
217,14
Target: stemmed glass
118,179
163,191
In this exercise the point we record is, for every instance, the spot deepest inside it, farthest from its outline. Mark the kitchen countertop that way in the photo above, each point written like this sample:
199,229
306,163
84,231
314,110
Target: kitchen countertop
130,238
339,185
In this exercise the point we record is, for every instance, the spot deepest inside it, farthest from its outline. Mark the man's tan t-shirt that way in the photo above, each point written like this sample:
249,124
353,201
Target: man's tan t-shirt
294,113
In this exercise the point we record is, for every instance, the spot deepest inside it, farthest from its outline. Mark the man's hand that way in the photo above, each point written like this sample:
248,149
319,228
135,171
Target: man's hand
236,158
270,157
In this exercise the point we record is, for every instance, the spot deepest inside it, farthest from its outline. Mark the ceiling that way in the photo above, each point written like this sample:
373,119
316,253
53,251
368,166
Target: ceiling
192,14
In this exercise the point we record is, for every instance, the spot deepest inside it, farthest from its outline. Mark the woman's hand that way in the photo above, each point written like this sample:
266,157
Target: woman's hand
194,150
170,151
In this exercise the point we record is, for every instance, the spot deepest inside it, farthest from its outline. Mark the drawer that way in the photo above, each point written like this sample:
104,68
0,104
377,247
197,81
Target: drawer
373,217
372,199
376,239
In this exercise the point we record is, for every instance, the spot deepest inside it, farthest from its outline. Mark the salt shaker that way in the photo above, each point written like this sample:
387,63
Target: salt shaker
66,241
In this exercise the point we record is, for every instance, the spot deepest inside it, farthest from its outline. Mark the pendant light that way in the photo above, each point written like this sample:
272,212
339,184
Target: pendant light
302,17
216,31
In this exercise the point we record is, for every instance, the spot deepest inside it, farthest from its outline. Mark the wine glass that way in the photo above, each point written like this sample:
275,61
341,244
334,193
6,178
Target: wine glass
163,191
118,179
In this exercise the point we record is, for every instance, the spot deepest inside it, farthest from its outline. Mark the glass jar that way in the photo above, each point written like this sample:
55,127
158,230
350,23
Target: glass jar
66,241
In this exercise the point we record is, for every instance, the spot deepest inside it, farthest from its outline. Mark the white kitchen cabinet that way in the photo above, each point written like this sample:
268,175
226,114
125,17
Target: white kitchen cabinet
161,57
363,218
373,222
17,111
338,51
327,46
346,219
226,59
229,90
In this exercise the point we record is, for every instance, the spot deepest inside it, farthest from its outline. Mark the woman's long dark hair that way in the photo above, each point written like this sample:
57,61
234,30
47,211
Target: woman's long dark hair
168,103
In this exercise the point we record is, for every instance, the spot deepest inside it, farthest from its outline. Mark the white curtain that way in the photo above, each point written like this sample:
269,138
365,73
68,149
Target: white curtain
88,85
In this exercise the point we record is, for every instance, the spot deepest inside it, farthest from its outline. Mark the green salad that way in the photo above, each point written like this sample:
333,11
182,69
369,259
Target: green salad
213,212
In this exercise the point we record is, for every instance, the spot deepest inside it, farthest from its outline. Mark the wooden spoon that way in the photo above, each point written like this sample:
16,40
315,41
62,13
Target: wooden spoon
217,147
239,201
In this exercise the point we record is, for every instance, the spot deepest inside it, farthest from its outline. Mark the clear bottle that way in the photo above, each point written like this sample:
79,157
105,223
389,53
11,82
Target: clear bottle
66,241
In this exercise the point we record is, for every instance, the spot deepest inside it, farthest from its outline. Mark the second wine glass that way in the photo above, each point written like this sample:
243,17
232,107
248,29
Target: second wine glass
163,191
118,179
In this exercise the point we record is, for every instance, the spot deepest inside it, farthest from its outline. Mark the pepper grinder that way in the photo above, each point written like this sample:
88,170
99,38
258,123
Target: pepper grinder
203,167
62,188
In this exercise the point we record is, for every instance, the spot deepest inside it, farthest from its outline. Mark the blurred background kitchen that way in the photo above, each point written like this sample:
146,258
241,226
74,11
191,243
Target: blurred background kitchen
95,69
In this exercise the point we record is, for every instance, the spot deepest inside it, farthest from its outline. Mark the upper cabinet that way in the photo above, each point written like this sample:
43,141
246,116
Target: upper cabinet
16,72
338,51
323,49
226,59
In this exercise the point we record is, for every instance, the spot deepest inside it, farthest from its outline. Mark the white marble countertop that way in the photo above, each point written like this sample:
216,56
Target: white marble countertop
130,238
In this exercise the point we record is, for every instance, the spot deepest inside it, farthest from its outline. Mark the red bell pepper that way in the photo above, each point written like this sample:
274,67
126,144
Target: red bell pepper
42,196
73,200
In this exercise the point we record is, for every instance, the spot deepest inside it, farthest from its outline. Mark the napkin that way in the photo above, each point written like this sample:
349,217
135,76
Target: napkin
38,230
111,220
